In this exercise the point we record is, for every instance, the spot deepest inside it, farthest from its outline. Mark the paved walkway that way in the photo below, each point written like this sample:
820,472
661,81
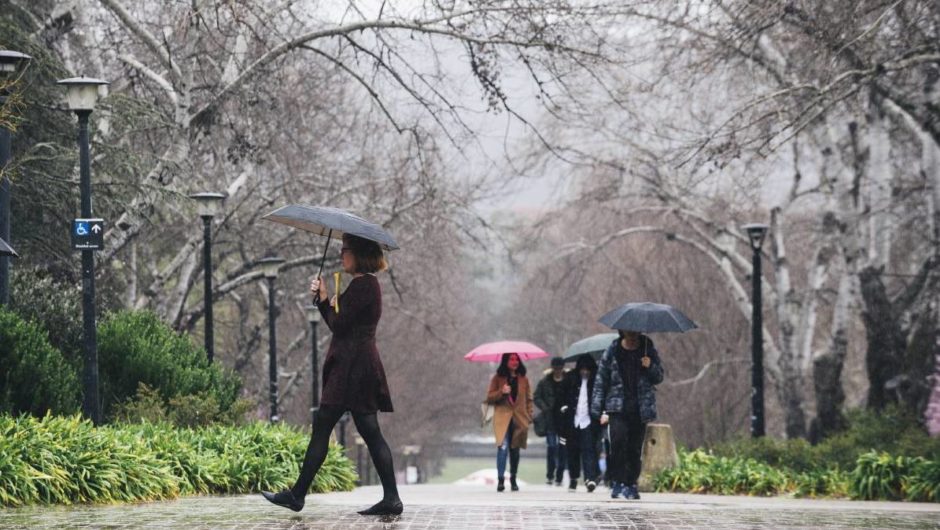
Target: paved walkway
465,507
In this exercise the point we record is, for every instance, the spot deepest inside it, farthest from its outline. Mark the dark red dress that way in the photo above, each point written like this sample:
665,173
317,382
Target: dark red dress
353,375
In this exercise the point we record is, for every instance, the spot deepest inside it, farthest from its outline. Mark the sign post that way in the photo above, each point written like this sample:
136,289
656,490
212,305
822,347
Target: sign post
88,234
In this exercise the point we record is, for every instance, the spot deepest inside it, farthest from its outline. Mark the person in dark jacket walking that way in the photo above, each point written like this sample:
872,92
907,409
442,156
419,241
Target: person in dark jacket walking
580,427
549,400
625,401
353,375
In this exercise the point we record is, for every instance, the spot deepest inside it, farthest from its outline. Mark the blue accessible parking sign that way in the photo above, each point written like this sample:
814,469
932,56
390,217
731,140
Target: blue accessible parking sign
88,234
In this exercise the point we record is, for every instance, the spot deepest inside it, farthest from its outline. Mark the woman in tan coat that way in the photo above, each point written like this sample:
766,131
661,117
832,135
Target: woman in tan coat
512,396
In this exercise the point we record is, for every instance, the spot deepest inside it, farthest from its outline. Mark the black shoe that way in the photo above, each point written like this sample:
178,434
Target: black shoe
631,493
590,486
285,499
385,507
500,486
573,485
512,483
548,482
558,483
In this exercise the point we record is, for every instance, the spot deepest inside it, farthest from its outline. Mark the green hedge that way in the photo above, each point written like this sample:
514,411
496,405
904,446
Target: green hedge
65,460
136,347
890,431
34,377
875,476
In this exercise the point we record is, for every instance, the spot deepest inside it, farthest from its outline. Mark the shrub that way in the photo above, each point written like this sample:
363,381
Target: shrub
64,460
195,410
56,306
923,484
34,377
881,476
703,472
891,430
832,482
136,347
797,455
146,406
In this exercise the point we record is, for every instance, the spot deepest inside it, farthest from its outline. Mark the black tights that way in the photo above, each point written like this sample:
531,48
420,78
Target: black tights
368,427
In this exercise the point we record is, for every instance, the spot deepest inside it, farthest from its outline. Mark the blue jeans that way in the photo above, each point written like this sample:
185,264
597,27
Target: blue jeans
582,452
557,459
504,448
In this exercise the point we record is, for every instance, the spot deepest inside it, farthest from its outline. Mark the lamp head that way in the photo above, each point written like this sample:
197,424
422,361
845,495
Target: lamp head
82,92
755,234
271,266
209,204
11,61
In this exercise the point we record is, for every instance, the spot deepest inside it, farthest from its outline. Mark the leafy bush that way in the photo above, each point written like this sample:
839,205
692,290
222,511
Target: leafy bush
923,484
56,306
703,472
880,476
831,482
65,460
136,347
196,410
891,430
34,377
797,455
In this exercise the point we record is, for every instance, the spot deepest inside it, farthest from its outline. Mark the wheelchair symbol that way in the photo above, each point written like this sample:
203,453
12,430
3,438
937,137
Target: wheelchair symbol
81,229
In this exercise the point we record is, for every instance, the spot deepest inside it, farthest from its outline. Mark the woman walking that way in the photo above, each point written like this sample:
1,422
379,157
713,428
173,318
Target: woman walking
512,396
353,376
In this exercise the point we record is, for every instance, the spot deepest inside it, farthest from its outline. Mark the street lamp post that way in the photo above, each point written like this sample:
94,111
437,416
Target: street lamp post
756,233
343,420
313,316
10,63
209,205
271,267
82,97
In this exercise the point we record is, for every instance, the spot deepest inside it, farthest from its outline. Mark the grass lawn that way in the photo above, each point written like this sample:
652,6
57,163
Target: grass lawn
531,470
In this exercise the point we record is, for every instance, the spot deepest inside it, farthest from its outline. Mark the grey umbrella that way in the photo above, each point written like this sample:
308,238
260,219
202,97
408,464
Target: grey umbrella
5,250
594,346
331,222
647,317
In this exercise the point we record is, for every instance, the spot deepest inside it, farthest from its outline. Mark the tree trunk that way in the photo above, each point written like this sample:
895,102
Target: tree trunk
827,368
886,345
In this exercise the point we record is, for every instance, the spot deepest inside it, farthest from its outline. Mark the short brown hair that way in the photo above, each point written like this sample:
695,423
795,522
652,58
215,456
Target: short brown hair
368,254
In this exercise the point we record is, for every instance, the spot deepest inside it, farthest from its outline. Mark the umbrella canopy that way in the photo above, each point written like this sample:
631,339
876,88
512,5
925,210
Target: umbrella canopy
646,317
332,222
492,352
5,250
593,346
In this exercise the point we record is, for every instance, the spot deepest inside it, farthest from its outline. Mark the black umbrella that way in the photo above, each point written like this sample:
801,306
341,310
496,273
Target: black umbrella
646,317
331,222
593,346
5,250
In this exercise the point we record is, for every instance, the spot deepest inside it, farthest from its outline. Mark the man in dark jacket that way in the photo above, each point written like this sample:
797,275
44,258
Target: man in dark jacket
624,399
548,398
580,428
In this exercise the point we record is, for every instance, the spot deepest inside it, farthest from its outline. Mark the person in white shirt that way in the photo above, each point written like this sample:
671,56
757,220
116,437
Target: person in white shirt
581,429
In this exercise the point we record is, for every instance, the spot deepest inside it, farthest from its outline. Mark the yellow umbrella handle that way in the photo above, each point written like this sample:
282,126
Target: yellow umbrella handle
336,284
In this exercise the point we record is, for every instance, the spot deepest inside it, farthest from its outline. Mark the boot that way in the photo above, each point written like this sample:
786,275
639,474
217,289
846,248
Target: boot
500,486
385,507
512,483
284,499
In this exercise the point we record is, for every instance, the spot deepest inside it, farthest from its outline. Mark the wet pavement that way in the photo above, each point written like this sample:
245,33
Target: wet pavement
459,507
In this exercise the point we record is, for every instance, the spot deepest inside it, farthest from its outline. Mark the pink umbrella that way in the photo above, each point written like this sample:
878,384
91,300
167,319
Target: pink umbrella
492,352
